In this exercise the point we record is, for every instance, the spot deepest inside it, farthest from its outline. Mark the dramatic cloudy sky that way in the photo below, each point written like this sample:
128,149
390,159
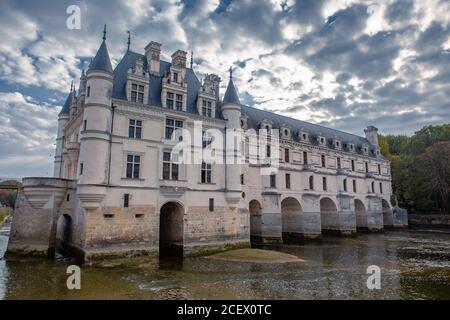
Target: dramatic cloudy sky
344,64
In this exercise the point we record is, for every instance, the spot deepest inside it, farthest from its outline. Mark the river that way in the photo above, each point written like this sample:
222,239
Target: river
414,265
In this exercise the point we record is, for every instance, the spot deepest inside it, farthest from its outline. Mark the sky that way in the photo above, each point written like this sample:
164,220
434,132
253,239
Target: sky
344,64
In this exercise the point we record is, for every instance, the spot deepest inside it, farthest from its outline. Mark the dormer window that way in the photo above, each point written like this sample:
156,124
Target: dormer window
244,122
285,131
322,141
365,149
303,136
137,93
169,100
207,108
337,144
351,147
175,77
179,102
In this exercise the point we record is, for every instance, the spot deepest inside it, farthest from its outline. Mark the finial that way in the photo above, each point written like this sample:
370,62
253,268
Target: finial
104,33
231,72
192,58
129,40
71,86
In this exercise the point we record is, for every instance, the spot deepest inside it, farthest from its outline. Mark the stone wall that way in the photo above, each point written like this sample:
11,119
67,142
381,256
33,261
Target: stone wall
429,220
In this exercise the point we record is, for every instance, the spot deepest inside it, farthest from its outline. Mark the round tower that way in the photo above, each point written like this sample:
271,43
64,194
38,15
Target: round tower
231,111
63,118
96,129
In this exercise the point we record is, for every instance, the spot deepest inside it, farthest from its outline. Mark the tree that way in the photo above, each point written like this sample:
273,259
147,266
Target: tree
434,164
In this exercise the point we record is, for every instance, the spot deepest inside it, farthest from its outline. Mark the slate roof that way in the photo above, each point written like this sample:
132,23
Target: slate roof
231,95
66,107
255,116
101,60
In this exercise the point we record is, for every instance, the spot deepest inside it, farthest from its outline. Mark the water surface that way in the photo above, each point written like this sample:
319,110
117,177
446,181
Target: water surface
414,265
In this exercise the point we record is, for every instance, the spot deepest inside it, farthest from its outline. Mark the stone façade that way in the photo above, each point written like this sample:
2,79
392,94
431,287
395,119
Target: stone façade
338,183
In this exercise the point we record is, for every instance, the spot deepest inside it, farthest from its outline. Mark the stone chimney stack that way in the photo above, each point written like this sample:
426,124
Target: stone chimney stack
372,135
179,59
153,52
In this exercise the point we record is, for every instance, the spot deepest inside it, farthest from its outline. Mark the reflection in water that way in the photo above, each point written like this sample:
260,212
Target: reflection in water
413,265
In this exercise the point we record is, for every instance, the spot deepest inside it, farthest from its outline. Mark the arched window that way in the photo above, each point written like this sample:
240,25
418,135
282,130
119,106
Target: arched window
373,187
345,184
311,183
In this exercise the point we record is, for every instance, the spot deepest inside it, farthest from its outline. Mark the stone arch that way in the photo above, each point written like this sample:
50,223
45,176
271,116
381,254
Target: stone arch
171,229
388,218
255,209
361,215
329,215
64,232
291,220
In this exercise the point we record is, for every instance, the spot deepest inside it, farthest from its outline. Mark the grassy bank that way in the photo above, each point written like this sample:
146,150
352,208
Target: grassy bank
4,213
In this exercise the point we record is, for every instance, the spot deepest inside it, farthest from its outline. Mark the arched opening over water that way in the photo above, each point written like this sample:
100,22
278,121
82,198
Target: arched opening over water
254,207
291,220
171,230
388,219
361,215
63,235
329,215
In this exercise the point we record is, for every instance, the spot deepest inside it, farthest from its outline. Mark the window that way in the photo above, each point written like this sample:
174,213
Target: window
367,167
68,197
339,163
88,93
171,126
207,109
311,183
381,187
322,140
207,139
170,168
81,168
379,169
324,183
286,155
373,187
268,151
242,179
206,172
175,77
304,136
135,129
288,181
211,204
169,100
179,102
126,200
353,165
137,93
323,161
133,166
305,157
84,125
345,184
354,185
273,181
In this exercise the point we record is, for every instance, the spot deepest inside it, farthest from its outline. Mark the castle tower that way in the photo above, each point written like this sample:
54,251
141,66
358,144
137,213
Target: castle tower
93,162
63,118
231,111
372,135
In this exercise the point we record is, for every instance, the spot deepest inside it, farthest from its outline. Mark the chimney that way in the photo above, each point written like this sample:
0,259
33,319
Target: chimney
179,59
372,135
152,53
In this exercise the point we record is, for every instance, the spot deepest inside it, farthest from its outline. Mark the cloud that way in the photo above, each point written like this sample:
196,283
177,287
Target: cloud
345,64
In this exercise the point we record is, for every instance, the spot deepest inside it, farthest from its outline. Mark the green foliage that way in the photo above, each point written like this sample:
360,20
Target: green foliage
420,167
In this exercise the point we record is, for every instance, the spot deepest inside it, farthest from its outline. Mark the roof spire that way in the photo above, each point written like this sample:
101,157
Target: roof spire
192,58
104,33
129,40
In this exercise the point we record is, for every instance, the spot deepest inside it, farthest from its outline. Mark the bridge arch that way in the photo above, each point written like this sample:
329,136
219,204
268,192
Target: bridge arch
64,230
388,218
171,229
291,220
329,215
361,215
255,209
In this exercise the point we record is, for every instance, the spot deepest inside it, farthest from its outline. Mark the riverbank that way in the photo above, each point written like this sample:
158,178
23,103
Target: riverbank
440,221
